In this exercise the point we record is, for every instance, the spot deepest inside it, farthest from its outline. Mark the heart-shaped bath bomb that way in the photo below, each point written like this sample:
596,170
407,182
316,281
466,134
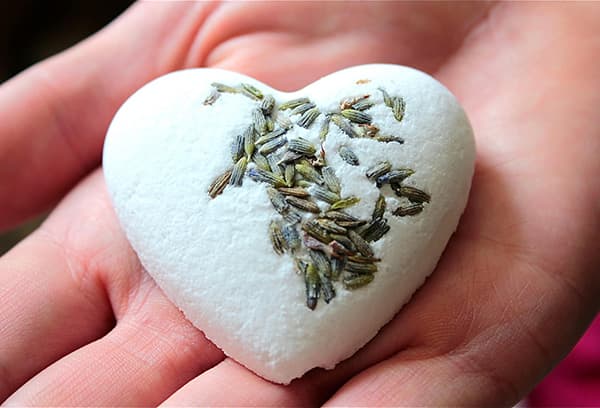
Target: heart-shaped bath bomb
290,227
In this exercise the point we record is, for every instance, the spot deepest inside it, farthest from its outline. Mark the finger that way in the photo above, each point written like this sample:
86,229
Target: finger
46,311
150,353
53,300
441,381
151,338
61,107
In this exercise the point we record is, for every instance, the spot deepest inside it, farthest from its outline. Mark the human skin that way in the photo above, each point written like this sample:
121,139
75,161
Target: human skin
83,324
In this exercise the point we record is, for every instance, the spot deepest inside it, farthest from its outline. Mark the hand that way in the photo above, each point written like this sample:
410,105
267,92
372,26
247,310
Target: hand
83,324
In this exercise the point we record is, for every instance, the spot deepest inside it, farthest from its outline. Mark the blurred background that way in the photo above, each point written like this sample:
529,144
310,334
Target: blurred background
31,30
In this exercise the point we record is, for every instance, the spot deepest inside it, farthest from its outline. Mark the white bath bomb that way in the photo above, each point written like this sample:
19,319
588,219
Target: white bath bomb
214,257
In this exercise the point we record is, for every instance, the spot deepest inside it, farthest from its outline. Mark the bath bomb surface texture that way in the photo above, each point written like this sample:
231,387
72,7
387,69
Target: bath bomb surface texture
290,227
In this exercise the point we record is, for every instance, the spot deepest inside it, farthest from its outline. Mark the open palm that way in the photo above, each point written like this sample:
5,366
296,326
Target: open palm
83,324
